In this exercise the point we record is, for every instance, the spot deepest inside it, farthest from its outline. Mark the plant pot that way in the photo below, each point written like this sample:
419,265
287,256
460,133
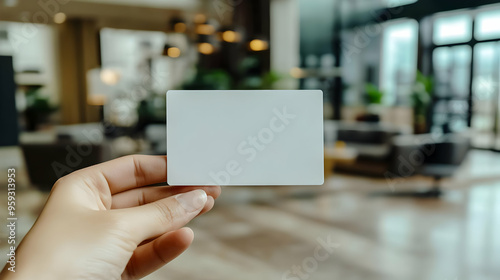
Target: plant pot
419,125
34,118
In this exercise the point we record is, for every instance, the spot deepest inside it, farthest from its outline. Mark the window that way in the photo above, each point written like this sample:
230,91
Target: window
452,71
399,61
485,91
132,52
466,94
488,25
392,3
453,29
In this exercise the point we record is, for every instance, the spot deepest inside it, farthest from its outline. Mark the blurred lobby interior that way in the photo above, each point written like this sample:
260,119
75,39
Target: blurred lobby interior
411,124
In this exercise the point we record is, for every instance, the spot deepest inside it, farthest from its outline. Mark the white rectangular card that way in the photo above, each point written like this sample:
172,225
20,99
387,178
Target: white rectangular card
260,137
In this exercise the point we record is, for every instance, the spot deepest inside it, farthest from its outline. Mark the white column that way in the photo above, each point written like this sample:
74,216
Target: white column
285,40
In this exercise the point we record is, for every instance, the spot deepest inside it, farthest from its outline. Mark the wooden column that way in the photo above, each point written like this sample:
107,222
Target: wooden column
78,43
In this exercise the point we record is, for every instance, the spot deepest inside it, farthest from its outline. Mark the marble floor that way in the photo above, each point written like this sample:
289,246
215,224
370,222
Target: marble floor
337,231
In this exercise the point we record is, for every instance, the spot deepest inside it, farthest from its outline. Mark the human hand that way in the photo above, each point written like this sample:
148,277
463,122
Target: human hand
105,222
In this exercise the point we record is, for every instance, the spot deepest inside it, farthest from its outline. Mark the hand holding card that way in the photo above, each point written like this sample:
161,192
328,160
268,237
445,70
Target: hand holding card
245,137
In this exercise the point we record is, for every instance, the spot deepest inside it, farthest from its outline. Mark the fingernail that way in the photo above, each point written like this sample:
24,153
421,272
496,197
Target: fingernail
193,200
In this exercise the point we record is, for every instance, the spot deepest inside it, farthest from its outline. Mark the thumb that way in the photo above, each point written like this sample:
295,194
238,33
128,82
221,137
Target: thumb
164,215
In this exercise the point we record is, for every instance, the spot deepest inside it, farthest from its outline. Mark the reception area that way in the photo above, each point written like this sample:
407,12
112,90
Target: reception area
393,169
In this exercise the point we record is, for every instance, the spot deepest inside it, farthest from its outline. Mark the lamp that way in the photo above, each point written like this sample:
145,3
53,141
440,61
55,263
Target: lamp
60,18
178,25
230,36
206,44
171,51
101,84
205,29
206,48
258,45
200,18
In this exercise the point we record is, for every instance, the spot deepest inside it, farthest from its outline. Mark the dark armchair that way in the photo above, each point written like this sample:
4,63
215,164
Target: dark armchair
428,155
373,144
48,162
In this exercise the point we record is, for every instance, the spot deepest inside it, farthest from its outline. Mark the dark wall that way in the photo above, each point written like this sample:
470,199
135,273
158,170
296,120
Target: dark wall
316,26
9,129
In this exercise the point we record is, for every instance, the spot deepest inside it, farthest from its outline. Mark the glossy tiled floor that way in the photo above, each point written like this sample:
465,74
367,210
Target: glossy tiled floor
280,233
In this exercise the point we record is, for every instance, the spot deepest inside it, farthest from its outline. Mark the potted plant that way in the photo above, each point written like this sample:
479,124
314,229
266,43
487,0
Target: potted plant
38,108
374,100
421,99
208,79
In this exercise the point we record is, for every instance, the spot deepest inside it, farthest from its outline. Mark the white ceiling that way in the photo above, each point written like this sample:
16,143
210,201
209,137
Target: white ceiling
165,4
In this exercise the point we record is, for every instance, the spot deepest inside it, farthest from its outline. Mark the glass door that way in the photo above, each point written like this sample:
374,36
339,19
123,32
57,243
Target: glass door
466,67
452,66
485,91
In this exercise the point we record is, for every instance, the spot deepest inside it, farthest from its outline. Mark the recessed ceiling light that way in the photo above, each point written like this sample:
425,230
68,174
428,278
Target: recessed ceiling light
206,48
398,3
10,3
231,36
258,45
60,18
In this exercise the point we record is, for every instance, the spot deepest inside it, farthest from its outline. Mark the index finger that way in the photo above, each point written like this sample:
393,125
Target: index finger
129,172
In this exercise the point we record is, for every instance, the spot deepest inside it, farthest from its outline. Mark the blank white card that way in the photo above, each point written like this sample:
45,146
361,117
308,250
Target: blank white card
261,137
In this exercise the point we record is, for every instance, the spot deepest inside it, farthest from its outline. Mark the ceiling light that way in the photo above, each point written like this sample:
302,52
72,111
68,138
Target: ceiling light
258,45
394,4
297,73
60,18
200,18
10,3
97,99
180,27
205,29
206,48
231,36
110,77
171,51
